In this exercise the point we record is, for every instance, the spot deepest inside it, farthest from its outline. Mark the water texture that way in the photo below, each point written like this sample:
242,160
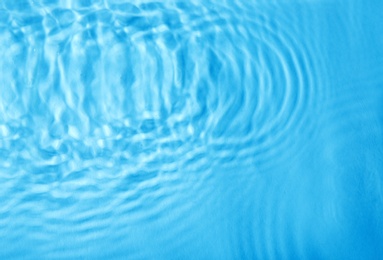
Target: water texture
191,129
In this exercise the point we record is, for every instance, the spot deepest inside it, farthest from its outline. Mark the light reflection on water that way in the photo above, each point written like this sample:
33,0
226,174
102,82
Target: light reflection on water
201,129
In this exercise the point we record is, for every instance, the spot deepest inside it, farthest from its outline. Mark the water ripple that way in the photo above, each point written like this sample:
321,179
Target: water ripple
128,126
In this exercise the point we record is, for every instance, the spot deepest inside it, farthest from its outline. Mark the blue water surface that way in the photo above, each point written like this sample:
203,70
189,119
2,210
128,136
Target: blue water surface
201,129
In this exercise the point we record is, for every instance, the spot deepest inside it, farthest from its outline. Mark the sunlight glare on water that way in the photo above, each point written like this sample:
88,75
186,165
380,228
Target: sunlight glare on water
191,129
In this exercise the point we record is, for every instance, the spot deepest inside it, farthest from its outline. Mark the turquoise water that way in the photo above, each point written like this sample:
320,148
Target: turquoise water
191,129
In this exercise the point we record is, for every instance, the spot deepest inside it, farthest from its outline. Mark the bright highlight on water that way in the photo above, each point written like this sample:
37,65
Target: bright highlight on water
191,129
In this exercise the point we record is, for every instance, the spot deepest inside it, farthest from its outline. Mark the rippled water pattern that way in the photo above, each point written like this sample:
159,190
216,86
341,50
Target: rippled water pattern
191,129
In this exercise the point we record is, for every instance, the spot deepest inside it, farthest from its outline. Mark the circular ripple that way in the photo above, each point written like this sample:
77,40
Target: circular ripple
137,103
269,93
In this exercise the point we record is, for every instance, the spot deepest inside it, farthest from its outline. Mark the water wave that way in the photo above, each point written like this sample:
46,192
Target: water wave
156,129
